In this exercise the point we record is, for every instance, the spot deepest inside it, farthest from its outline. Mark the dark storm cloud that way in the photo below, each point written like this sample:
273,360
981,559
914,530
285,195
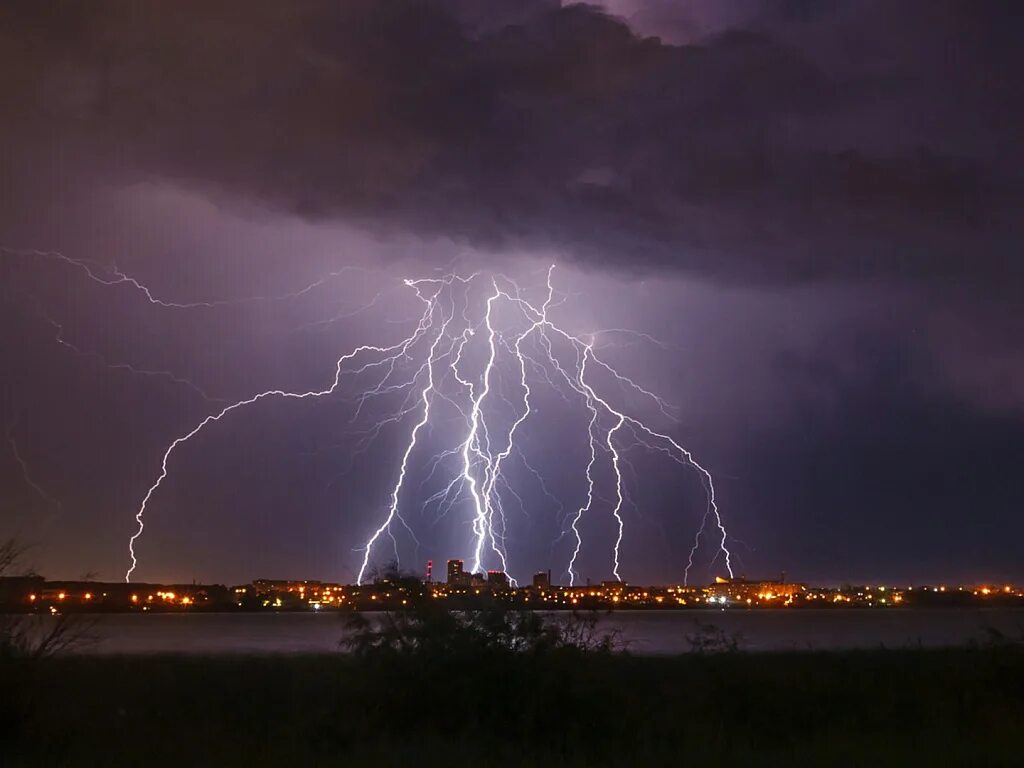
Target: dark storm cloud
857,139
932,485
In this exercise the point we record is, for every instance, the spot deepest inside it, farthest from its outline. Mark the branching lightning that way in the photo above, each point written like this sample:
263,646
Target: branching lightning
479,351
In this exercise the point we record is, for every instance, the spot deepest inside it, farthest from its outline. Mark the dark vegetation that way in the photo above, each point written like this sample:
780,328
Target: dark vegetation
502,688
34,637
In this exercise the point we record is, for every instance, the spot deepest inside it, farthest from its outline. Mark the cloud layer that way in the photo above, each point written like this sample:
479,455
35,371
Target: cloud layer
858,140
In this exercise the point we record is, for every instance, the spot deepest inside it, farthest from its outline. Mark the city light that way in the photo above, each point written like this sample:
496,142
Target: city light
465,589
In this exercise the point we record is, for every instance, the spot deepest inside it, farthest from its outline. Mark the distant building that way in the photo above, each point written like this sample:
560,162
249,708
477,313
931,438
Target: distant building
456,575
18,589
497,579
542,580
764,590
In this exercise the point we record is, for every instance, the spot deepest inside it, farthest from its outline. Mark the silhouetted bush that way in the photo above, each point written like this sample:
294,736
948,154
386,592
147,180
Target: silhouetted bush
710,638
429,629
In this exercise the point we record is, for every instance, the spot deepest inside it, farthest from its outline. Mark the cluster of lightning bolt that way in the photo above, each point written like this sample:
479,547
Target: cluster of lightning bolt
457,313
444,330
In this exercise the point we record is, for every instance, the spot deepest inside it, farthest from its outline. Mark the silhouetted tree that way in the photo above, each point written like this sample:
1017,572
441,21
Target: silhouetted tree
428,628
33,636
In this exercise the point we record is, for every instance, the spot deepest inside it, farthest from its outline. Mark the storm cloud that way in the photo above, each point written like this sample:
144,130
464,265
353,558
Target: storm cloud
857,139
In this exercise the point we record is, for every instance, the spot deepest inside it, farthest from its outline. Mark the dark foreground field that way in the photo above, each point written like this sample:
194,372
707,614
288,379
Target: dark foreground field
900,708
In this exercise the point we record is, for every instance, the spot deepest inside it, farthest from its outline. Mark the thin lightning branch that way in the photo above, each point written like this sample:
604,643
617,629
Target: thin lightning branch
663,406
26,472
116,277
560,508
685,457
636,334
160,374
344,315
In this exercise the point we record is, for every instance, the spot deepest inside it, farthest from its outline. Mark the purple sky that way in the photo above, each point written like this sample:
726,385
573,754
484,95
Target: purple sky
814,206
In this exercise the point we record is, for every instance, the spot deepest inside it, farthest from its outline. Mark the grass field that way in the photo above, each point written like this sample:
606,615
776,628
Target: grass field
565,708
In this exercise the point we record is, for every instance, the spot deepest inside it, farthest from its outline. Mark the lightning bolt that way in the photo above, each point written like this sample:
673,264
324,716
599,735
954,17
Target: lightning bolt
425,396
479,447
590,491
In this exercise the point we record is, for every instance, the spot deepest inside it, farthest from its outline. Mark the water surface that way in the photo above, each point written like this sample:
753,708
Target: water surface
646,631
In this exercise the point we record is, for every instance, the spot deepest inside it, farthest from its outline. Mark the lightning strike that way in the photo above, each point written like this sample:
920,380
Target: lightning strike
447,336
425,396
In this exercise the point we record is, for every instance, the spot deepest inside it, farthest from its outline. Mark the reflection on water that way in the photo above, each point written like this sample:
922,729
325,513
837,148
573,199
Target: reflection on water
646,631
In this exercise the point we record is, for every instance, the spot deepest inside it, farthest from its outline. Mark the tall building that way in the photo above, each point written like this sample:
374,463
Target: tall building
542,579
455,573
497,578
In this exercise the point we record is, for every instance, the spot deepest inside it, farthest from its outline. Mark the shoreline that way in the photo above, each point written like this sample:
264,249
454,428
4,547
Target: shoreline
658,633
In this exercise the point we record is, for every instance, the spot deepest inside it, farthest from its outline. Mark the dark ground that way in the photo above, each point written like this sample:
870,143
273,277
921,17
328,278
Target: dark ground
879,708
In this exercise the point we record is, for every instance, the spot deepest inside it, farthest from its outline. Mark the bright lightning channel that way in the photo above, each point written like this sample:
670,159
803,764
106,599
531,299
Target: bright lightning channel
481,451
449,331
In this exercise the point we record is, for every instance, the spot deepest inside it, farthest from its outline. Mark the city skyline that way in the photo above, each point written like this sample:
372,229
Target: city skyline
454,573
463,590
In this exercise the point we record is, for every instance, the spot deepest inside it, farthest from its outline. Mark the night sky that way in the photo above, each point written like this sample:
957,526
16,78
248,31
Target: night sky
813,207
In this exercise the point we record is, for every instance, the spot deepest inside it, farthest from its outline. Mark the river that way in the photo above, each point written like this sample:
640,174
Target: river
647,632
